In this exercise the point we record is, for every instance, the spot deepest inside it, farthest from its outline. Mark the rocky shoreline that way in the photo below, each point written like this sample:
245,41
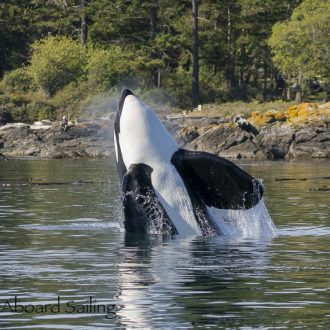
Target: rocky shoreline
277,141
84,140
303,132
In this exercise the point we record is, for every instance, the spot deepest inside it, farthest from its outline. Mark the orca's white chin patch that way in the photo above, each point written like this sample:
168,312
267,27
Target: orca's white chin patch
171,190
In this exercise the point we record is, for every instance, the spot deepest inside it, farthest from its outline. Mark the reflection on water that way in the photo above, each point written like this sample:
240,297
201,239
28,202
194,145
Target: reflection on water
65,240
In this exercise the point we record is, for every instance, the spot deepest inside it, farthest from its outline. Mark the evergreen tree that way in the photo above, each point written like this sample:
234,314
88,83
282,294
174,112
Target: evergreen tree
14,26
155,37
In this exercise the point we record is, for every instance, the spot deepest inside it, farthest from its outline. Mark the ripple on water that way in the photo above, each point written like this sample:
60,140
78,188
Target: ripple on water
304,231
179,283
77,224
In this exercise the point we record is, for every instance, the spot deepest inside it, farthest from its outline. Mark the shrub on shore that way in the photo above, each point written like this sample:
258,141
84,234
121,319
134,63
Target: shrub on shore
56,62
63,76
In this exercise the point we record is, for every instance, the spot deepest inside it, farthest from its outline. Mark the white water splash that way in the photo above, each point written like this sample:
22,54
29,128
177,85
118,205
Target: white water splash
248,223
155,216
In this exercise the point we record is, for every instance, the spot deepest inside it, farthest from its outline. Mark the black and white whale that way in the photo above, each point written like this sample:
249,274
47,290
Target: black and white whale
167,189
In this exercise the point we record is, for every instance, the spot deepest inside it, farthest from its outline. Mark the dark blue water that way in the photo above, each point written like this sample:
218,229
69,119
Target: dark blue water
60,238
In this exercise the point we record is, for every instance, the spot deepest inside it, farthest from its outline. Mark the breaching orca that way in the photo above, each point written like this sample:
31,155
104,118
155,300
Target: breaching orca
167,189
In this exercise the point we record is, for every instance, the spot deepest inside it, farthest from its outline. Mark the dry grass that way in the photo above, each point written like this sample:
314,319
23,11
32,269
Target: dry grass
233,108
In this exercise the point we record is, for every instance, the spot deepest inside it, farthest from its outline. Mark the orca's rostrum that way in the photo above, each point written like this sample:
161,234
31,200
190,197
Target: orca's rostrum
170,190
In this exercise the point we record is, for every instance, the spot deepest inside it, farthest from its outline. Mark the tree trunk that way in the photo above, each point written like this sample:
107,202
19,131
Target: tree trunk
228,69
299,91
327,88
231,68
288,93
83,24
298,96
228,25
159,78
156,82
153,19
195,75
265,92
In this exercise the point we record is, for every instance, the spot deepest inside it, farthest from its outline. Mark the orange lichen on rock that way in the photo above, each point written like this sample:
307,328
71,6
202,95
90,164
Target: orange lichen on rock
301,114
260,119
324,109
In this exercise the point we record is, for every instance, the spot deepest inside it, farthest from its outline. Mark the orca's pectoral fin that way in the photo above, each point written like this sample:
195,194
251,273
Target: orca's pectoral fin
219,182
142,210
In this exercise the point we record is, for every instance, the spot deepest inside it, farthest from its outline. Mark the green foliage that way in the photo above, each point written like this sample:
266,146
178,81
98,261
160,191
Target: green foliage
70,99
23,22
39,110
4,99
19,114
27,108
107,68
301,45
5,116
119,21
57,61
14,31
147,45
19,100
179,83
15,105
17,80
214,86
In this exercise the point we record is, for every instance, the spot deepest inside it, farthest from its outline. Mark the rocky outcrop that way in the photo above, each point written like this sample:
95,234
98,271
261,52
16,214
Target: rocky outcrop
227,141
185,129
310,142
275,140
93,139
302,132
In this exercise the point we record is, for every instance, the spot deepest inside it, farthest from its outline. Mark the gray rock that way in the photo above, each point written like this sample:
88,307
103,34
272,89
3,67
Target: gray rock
310,142
275,141
78,141
226,141
189,134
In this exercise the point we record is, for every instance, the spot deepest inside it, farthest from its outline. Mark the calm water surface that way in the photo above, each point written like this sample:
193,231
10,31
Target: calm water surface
60,238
